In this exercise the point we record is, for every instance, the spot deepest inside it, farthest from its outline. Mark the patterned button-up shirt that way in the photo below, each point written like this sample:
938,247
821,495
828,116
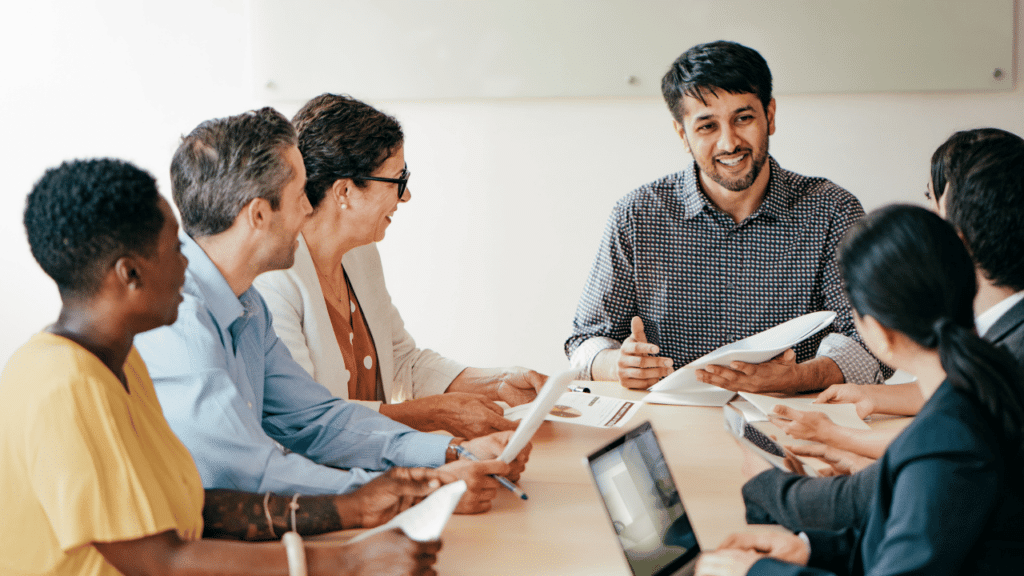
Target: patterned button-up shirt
699,280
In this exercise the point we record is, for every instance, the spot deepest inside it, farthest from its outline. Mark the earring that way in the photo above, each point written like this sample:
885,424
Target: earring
134,286
344,206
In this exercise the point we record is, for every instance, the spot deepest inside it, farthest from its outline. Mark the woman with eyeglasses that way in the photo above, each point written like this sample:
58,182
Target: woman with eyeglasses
950,488
332,308
94,481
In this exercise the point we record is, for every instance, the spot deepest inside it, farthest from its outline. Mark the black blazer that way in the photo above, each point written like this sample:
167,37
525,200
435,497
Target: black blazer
801,503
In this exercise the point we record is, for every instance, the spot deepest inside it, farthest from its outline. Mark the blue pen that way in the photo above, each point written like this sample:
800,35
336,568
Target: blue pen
504,481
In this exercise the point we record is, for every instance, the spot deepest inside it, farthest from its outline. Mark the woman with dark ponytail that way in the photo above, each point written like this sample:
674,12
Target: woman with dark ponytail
950,487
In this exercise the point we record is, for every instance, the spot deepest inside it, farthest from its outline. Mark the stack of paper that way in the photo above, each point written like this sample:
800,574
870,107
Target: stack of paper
681,387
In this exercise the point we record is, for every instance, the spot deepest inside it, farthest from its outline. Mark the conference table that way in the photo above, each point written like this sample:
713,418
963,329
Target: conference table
563,528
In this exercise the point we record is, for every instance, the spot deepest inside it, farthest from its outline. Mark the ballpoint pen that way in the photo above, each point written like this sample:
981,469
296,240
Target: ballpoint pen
504,481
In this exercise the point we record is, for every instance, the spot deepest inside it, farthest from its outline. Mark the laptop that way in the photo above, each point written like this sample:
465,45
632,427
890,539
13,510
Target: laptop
643,504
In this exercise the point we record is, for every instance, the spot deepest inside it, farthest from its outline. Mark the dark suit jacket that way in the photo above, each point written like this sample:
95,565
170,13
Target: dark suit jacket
948,501
800,503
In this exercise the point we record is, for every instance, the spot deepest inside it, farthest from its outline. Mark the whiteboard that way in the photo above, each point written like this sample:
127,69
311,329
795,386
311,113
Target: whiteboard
444,49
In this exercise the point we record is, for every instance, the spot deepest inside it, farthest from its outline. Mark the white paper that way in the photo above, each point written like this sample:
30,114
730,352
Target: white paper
540,407
585,409
425,521
702,395
755,349
841,414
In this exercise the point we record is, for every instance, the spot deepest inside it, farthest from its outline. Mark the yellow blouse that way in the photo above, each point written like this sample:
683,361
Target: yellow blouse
84,460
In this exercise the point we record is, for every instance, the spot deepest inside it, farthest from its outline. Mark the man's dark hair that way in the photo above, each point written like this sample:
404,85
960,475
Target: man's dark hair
85,214
226,163
707,68
341,137
986,203
949,157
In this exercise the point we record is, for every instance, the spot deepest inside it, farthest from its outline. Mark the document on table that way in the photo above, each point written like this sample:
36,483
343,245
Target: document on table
842,414
584,409
682,387
425,521
535,413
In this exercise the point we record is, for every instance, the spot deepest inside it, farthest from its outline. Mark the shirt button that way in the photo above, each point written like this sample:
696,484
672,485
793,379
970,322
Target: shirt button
250,404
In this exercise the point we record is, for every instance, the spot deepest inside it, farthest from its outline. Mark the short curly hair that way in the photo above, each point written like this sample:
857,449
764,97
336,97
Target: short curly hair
341,137
225,163
85,214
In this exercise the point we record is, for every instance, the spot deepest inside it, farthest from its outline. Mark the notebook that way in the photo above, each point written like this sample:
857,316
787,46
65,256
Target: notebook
643,505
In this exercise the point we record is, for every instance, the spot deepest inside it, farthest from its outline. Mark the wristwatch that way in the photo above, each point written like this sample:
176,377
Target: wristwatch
450,454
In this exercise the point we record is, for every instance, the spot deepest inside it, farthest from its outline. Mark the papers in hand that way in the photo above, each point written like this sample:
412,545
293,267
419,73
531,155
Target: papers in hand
541,406
682,386
841,414
425,521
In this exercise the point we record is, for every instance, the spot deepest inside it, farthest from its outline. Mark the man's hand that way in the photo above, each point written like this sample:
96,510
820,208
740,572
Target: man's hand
806,425
638,366
786,547
385,496
778,374
481,488
459,413
841,462
520,385
389,553
491,446
856,394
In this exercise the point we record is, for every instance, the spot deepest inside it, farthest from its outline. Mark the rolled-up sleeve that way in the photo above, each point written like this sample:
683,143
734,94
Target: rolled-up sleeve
608,303
844,346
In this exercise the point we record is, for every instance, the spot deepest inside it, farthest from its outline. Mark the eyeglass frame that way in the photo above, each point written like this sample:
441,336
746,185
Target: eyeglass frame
403,183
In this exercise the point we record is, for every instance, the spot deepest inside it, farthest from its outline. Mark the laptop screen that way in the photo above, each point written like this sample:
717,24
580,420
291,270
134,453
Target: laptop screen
643,503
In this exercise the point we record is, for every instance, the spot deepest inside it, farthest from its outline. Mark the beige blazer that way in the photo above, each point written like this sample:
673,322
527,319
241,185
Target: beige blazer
301,321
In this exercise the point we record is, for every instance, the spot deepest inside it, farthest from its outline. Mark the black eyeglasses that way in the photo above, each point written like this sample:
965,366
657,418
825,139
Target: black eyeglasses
402,182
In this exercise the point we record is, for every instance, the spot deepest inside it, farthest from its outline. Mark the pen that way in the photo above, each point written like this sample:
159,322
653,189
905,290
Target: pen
504,481
579,389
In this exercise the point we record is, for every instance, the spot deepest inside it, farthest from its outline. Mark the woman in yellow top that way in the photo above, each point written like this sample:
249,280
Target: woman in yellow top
94,480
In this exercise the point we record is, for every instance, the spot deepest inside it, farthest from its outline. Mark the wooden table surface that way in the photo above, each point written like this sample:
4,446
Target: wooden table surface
563,528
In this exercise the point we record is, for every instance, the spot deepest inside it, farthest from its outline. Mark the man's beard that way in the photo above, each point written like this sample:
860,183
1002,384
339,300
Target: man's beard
743,182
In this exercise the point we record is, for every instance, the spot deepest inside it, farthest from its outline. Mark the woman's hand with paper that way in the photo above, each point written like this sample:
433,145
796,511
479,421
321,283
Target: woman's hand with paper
805,425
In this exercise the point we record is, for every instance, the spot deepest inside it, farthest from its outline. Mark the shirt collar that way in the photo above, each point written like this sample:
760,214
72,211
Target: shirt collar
988,318
775,203
210,284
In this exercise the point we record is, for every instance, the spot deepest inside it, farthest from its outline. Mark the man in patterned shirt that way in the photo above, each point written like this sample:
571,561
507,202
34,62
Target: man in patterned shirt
730,246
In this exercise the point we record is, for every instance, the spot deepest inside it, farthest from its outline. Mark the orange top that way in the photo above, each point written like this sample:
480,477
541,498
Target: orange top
356,343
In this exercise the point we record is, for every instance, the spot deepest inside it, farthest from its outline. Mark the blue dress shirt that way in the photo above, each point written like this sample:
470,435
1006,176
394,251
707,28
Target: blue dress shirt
253,418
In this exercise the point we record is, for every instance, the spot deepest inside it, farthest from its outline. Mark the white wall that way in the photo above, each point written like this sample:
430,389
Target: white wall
487,261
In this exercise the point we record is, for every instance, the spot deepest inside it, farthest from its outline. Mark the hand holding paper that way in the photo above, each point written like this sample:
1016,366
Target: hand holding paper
425,521
545,401
682,386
